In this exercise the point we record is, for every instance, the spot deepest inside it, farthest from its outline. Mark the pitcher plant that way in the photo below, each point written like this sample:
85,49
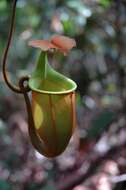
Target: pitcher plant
53,98
51,111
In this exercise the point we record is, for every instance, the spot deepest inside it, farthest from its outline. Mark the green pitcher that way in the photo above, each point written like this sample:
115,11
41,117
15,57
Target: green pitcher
53,107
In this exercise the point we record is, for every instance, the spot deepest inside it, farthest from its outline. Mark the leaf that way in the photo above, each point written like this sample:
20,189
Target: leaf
105,3
48,188
100,123
3,5
4,185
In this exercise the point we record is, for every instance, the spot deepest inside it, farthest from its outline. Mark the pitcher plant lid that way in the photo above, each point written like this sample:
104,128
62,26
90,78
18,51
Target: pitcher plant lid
45,79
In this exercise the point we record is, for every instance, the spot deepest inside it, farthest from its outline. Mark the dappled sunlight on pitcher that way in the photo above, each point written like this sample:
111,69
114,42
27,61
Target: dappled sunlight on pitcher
53,100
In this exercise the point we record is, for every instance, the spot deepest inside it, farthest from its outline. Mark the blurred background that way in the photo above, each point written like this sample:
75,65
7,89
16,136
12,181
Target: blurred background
96,156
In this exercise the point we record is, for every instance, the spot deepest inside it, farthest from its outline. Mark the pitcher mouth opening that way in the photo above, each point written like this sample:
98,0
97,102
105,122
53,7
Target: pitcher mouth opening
49,87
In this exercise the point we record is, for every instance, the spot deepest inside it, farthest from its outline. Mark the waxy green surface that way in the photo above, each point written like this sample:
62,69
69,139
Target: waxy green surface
53,107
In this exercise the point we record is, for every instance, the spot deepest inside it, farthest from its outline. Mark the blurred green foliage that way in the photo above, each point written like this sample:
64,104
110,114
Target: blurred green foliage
4,185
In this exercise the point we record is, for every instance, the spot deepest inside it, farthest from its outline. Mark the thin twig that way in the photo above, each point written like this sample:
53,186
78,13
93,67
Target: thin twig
120,44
